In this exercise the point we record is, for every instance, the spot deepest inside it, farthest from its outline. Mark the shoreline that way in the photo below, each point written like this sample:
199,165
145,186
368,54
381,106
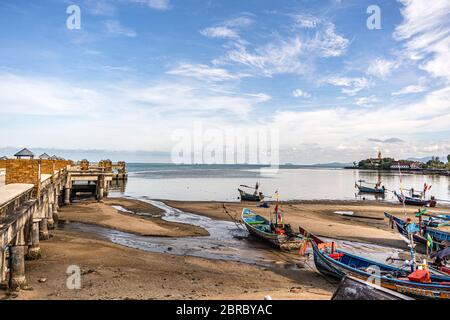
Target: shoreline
104,215
110,271
114,271
367,225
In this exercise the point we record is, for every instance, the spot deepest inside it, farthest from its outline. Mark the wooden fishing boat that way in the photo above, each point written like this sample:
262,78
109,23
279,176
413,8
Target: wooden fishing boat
338,264
352,288
256,196
365,189
436,222
250,197
260,227
438,236
414,201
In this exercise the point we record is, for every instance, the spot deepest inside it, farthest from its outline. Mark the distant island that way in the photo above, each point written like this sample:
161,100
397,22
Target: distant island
381,163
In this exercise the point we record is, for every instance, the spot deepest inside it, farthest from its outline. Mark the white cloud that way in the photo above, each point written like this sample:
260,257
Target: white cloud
100,7
46,96
228,29
425,31
329,128
115,27
299,93
282,56
367,101
293,53
381,68
203,72
350,86
306,21
410,89
154,4
220,32
327,42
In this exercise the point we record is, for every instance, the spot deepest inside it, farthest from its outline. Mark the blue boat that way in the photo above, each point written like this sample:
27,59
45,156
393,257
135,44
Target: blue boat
415,201
438,236
338,264
280,236
365,189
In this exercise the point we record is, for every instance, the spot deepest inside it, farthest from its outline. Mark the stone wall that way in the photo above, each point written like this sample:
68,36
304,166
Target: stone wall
23,171
106,165
122,166
3,164
47,166
84,165
61,164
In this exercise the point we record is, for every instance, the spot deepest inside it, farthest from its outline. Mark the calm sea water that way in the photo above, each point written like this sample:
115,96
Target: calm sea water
220,182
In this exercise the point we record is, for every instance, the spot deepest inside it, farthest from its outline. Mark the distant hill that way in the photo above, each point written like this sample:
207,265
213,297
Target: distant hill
426,159
333,165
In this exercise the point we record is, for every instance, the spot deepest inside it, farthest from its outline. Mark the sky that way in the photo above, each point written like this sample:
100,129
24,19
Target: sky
137,74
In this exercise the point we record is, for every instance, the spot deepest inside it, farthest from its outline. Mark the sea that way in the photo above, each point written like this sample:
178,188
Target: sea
220,182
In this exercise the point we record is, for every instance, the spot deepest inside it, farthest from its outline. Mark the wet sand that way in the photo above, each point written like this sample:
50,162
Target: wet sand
111,271
367,224
103,214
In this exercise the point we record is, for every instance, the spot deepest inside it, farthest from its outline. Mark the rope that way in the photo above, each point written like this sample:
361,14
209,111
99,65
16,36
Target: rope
234,219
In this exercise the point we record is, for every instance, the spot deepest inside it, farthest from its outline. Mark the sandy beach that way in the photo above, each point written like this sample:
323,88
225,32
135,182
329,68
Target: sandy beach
111,271
367,223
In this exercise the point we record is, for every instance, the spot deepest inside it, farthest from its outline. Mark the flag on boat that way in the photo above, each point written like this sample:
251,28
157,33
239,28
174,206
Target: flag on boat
429,241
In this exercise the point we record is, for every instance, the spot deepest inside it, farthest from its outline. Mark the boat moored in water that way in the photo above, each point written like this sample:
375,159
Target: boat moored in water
415,283
415,201
377,189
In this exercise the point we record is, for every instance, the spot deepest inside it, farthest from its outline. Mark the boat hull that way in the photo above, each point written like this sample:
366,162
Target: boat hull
282,242
355,289
437,235
363,189
415,201
331,267
249,197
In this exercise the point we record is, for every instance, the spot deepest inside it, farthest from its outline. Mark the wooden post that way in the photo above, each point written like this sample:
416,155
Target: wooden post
2,265
67,196
50,221
55,206
43,229
17,278
100,187
34,250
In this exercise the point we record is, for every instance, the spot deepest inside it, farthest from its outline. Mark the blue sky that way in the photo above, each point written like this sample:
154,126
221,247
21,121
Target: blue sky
138,70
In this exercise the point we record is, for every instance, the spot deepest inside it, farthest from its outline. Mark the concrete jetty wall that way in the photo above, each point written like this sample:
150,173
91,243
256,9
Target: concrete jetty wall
29,201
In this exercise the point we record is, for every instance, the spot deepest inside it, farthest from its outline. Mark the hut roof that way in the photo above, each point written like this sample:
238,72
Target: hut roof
24,153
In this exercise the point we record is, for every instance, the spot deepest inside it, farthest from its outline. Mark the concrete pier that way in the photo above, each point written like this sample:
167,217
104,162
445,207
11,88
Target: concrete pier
43,230
17,278
29,202
34,250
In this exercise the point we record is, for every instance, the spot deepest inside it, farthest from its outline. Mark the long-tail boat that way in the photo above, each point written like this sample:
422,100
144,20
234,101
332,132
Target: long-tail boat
279,235
352,288
337,263
365,189
415,201
255,196
438,236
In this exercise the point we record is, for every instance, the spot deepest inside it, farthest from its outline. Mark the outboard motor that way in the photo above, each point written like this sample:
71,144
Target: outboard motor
288,230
